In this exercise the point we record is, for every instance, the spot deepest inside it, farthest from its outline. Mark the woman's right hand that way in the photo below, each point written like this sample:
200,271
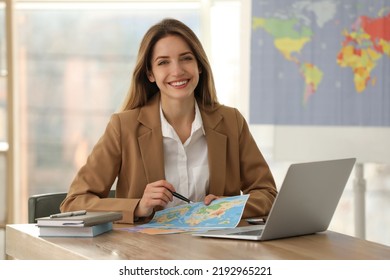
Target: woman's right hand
158,193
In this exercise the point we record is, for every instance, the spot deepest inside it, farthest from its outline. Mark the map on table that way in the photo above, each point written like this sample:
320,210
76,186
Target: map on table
221,213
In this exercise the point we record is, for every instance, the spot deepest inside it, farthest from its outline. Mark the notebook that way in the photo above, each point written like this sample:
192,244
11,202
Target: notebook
305,203
85,220
89,231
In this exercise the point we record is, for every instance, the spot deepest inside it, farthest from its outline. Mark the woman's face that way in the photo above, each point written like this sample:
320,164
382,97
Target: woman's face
174,68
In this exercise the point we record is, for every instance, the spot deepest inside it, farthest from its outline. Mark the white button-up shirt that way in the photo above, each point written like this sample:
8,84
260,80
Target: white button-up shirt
186,165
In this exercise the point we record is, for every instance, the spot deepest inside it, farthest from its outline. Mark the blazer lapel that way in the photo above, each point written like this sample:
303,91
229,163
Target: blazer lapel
217,145
150,141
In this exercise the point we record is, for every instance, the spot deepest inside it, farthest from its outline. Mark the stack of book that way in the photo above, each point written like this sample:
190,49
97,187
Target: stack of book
77,224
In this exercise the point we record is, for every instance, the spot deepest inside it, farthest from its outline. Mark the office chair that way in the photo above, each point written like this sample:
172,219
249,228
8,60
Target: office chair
43,205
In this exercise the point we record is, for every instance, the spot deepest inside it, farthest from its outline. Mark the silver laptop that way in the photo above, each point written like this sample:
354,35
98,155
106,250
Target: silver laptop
304,205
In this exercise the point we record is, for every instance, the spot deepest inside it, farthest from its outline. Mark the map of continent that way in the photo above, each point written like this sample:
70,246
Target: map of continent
224,212
366,43
323,62
289,41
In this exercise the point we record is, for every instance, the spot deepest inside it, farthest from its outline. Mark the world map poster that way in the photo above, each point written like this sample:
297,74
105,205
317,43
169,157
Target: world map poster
324,62
224,212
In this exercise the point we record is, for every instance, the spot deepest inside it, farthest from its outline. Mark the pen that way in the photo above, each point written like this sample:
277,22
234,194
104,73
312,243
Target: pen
69,214
179,196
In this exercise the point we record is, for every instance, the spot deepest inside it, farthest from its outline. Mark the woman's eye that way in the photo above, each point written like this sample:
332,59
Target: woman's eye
187,58
162,62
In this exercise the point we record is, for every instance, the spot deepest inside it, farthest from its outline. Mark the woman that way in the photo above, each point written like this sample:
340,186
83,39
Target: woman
172,135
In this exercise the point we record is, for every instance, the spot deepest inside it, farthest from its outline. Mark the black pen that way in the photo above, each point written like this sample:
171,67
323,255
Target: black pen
179,196
69,214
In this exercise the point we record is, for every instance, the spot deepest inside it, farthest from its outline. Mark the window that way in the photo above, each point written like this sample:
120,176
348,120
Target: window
74,63
3,114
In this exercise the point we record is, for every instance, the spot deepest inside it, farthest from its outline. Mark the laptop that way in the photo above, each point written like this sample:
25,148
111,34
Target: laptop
305,203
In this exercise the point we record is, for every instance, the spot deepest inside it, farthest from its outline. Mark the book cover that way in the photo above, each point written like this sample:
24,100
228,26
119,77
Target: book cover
88,219
89,231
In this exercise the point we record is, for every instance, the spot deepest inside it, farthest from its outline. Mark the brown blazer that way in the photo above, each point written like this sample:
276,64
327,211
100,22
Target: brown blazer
131,150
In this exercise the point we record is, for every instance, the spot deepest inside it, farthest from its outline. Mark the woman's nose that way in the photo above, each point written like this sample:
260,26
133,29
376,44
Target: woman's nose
177,68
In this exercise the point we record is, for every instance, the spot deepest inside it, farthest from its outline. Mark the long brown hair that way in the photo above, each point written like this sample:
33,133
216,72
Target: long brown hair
141,89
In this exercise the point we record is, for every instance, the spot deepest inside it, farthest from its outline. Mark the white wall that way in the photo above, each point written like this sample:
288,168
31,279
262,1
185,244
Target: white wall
281,146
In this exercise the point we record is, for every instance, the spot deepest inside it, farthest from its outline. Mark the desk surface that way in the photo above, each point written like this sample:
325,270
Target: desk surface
22,242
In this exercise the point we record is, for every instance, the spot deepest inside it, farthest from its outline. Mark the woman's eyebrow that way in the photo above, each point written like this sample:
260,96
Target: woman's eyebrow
185,53
160,57
167,56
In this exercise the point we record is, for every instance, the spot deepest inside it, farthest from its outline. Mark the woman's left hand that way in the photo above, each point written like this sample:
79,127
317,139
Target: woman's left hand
209,198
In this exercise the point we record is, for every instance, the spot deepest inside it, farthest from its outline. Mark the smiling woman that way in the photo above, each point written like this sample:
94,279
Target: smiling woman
72,61
71,76
172,135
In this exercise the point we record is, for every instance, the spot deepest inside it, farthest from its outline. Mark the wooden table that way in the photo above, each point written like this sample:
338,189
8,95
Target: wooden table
22,242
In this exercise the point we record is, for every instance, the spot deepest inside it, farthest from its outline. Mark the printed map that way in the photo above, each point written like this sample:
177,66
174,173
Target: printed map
320,62
221,213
